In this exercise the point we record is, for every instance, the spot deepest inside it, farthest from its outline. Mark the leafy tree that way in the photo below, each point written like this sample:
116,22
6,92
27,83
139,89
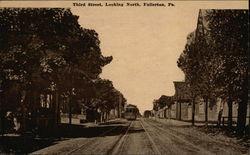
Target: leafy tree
110,97
215,59
46,50
164,101
195,63
188,62
229,32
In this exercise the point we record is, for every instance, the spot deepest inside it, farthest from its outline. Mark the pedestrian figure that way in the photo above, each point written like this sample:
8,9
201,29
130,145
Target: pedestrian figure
219,117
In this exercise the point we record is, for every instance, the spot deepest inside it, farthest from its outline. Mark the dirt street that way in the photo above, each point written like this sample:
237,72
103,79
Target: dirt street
147,137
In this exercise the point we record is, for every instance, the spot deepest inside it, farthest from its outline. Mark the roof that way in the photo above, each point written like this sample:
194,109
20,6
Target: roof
182,91
131,106
201,30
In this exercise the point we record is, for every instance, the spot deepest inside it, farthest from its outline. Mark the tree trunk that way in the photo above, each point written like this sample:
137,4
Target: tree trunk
119,109
219,117
230,112
34,106
193,112
108,115
221,108
2,122
51,105
206,111
180,111
59,101
70,109
25,95
57,110
2,113
242,112
102,117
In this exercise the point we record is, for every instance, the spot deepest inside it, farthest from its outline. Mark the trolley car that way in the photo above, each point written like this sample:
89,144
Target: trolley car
131,112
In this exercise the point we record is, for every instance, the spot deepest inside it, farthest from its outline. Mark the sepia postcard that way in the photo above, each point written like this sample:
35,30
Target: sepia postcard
124,77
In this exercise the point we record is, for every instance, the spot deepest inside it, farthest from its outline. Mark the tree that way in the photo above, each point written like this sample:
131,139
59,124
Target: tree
188,63
46,50
194,63
229,31
109,97
164,101
215,60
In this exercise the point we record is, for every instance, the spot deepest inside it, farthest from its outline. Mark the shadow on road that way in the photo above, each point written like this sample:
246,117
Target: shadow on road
113,122
74,131
23,144
135,131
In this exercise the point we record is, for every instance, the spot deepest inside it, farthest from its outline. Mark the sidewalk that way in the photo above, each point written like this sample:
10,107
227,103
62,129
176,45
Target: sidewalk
90,124
172,122
179,122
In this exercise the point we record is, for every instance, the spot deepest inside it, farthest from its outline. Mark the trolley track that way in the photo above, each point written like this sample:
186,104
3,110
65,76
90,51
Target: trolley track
120,143
151,140
180,139
119,146
195,138
91,141
211,145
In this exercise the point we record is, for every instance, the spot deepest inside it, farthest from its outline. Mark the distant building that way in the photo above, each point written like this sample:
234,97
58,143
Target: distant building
147,113
182,102
181,107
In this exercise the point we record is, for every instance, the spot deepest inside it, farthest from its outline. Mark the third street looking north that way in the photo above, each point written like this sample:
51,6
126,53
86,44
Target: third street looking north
168,85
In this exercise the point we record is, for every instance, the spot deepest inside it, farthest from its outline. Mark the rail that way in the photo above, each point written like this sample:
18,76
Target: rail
86,144
184,141
120,144
151,140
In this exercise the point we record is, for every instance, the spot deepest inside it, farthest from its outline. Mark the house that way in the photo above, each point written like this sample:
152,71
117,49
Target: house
161,105
181,109
147,113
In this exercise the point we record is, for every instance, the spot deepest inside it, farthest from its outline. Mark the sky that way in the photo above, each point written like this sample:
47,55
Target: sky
145,42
